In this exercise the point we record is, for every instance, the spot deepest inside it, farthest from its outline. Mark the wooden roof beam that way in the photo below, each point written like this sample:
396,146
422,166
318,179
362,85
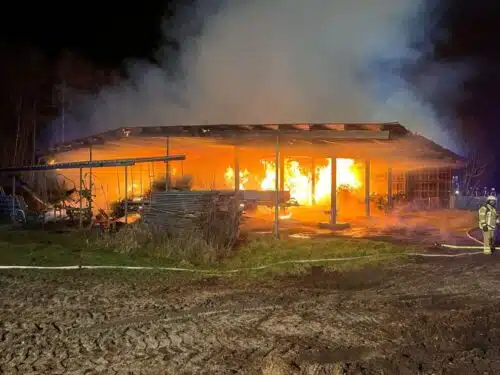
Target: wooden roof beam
340,127
305,127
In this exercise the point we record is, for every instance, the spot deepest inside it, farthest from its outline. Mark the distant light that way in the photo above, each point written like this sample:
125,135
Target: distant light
457,192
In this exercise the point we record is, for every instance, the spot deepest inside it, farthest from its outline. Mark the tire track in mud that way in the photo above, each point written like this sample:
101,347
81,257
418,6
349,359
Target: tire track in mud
233,330
212,337
194,341
199,339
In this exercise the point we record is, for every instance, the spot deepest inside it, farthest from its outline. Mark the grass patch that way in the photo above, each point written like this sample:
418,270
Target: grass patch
42,248
282,253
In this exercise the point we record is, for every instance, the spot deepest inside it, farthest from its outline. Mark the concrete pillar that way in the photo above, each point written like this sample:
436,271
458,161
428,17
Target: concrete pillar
367,188
389,188
333,192
236,168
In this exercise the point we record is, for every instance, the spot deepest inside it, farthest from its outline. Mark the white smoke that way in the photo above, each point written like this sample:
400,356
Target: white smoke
261,61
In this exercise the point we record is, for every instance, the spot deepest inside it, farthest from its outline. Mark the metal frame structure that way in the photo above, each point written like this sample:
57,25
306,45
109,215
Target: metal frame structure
389,141
87,164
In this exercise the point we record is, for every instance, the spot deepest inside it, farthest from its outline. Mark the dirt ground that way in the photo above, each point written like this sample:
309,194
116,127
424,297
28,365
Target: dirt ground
403,225
427,316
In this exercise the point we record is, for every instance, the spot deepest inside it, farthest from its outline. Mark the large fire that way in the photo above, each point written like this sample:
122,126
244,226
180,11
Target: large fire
299,181
208,170
229,176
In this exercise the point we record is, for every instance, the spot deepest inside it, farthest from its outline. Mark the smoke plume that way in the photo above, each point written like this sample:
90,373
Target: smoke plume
281,61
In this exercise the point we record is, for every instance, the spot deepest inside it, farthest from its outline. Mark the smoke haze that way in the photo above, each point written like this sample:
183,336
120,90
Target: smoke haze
281,61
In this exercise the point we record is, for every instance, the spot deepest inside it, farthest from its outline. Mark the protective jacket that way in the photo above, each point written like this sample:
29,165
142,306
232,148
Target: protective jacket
488,217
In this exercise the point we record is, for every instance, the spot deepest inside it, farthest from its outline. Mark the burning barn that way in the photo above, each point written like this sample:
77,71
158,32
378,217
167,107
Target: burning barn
372,166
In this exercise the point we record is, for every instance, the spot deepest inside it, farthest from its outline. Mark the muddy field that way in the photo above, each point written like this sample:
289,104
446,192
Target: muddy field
429,316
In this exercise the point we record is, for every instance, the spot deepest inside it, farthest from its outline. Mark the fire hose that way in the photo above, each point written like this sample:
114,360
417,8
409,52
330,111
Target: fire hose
222,272
216,272
465,247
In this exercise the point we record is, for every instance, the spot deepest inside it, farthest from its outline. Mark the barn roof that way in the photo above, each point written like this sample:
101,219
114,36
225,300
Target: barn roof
389,141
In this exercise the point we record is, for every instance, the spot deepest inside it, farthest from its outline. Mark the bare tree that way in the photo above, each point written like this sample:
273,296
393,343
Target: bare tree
474,170
34,92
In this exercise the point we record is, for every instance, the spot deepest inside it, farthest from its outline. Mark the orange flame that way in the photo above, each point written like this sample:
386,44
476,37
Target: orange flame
346,176
229,177
298,181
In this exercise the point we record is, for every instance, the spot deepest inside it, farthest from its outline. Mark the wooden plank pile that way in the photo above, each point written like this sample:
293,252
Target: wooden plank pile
215,215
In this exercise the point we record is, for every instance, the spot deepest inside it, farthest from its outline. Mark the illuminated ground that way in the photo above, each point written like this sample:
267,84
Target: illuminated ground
413,316
431,316
404,225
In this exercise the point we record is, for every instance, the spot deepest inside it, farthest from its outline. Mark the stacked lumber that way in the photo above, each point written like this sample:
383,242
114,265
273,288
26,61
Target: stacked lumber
213,214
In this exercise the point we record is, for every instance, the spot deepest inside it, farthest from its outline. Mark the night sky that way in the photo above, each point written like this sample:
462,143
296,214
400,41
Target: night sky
108,35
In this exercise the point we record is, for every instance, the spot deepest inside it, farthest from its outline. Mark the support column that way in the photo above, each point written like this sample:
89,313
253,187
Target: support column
81,199
333,192
276,189
389,188
236,168
167,166
13,199
126,195
313,181
367,188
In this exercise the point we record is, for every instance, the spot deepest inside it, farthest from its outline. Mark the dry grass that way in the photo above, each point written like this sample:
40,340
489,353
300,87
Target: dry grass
141,239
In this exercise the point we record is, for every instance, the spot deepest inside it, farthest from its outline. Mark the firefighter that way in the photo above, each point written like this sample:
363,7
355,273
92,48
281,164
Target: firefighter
488,221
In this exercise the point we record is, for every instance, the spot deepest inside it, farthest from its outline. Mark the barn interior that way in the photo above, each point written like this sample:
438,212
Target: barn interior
371,167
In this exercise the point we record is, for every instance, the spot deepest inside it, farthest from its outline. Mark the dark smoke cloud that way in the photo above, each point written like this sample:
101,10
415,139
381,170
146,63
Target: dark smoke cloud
288,61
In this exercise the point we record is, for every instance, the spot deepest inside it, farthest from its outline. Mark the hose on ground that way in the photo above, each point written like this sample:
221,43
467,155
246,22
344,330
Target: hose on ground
264,266
465,247
237,270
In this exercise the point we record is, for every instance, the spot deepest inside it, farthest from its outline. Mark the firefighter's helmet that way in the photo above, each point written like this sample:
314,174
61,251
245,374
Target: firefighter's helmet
491,200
